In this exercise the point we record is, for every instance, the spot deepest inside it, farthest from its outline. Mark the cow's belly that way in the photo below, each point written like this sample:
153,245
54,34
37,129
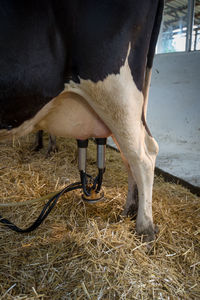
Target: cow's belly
67,115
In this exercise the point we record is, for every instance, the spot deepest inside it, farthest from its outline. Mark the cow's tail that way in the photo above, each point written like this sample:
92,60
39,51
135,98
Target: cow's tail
150,56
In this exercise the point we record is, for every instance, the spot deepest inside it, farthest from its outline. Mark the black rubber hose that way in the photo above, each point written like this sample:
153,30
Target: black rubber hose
45,211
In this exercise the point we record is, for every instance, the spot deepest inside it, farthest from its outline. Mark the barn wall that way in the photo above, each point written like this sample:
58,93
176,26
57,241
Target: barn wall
174,113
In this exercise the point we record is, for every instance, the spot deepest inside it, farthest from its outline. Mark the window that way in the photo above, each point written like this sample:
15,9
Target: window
180,28
196,27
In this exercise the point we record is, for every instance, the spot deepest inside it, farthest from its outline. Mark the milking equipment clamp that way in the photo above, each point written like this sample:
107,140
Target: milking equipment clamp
91,186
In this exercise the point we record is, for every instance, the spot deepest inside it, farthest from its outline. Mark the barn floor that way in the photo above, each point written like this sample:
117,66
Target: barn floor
85,251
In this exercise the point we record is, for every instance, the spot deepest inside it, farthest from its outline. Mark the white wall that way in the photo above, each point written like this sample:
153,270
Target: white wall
174,113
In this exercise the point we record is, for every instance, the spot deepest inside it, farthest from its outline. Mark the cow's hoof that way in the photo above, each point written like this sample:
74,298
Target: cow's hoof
148,234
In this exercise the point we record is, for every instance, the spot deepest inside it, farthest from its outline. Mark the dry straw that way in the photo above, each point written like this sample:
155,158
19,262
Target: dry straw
85,251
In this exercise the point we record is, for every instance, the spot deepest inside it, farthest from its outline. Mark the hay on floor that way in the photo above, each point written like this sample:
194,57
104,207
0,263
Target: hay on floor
85,251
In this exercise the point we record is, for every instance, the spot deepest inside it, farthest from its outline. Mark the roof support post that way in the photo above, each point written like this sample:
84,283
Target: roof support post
190,22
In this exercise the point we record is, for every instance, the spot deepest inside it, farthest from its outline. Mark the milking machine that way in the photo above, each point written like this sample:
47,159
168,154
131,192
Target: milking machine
91,186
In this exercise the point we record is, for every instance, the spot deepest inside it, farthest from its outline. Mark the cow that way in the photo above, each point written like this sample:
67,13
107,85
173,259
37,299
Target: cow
82,69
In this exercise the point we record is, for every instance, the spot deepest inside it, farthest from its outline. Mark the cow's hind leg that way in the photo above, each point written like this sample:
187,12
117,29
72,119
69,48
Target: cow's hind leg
140,150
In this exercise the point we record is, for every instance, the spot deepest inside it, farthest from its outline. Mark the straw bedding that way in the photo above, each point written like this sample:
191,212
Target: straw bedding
85,251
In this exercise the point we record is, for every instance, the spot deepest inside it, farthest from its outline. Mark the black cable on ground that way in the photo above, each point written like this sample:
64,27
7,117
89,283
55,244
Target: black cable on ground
45,211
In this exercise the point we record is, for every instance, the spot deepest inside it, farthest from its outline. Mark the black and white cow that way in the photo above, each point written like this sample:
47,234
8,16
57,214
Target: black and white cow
82,69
